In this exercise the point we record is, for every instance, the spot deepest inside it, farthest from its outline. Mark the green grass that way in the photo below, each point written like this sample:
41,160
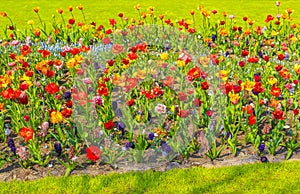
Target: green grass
255,178
100,11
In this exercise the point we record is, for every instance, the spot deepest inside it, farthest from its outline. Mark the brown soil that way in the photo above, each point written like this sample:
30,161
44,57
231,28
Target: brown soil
246,155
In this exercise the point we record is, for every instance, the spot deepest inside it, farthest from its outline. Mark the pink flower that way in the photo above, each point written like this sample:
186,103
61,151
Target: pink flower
87,80
21,151
45,125
277,3
160,109
231,16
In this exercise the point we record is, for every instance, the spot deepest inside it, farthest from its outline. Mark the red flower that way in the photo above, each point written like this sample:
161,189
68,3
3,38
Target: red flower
194,73
278,114
69,104
132,56
184,113
269,18
197,102
245,53
241,63
296,111
169,81
23,99
209,113
252,120
75,51
67,112
182,96
52,88
253,60
71,21
237,89
204,85
228,87
280,57
44,53
93,153
130,102
102,90
278,67
8,93
109,125
25,49
26,133
275,91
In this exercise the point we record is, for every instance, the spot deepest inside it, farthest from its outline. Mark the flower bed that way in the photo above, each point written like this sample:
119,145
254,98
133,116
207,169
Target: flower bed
148,91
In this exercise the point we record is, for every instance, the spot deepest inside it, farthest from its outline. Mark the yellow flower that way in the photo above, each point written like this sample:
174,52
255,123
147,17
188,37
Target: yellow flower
181,63
164,56
223,74
85,28
294,39
78,59
71,63
297,68
223,32
30,22
234,98
4,81
274,33
248,85
204,61
56,117
119,80
25,79
272,80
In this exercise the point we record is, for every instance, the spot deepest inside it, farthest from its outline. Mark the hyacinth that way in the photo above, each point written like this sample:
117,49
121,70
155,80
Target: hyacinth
11,145
22,153
58,149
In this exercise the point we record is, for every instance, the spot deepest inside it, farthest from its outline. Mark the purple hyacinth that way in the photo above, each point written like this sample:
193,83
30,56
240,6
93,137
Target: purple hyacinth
11,145
96,65
151,136
261,147
129,145
58,149
114,105
149,116
67,95
264,159
165,147
121,126
213,38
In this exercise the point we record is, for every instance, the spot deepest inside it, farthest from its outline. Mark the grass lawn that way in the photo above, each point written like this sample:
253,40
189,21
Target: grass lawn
100,11
256,178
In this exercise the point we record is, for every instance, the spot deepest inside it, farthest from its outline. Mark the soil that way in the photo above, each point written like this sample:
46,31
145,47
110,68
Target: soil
245,155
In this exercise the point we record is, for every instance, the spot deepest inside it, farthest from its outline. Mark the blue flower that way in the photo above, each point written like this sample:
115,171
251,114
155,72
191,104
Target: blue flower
151,136
261,147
